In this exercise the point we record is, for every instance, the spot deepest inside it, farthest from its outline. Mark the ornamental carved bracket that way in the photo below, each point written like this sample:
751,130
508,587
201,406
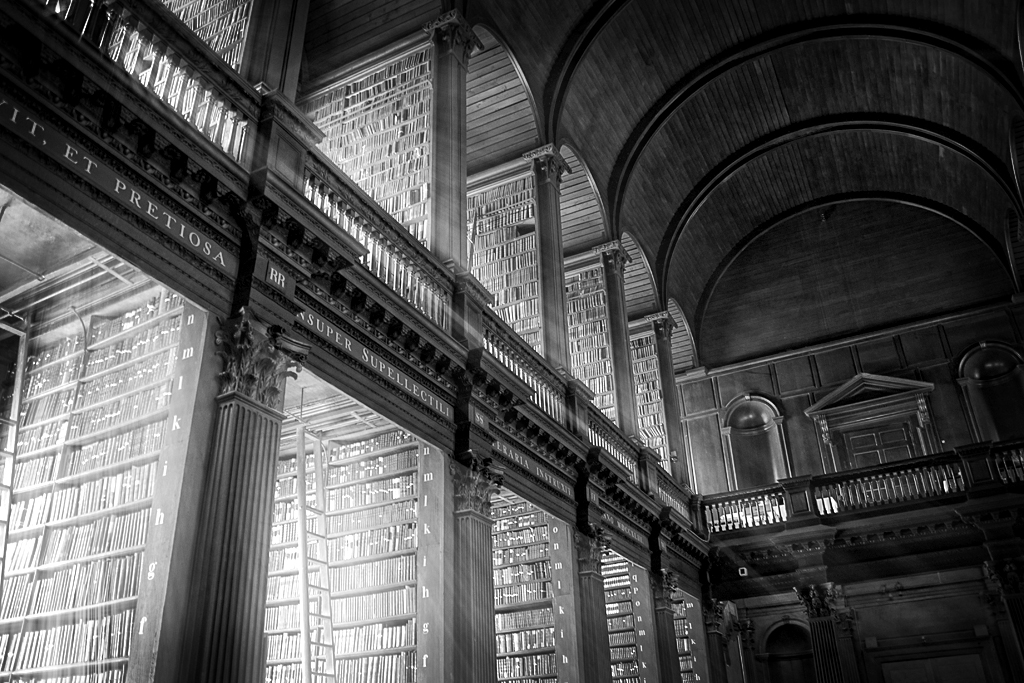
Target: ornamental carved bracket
614,256
548,164
1006,575
452,34
662,323
820,600
589,549
475,483
257,359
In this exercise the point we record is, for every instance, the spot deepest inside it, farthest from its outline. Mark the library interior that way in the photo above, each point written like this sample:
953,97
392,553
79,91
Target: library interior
619,341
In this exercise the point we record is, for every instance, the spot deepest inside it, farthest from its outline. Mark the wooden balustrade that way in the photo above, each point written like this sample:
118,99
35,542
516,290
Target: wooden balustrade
548,388
672,494
159,52
604,433
745,509
1008,462
898,482
393,255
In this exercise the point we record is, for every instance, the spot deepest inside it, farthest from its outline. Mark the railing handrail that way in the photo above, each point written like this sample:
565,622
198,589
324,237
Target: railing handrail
726,496
534,360
600,423
666,482
355,196
207,63
946,457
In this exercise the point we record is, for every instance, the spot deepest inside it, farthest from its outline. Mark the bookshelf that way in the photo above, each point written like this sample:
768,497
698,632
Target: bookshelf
532,594
377,130
688,625
12,363
650,408
503,253
586,297
630,620
221,24
107,392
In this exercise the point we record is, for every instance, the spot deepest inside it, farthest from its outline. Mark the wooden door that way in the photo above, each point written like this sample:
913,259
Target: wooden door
879,444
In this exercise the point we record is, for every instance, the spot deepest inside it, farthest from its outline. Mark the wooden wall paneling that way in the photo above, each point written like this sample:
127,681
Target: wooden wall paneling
947,408
753,380
922,345
794,374
683,353
704,437
991,326
835,366
878,356
802,445
697,396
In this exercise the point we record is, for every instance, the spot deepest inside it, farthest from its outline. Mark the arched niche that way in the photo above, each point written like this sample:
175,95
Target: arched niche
755,445
787,654
991,375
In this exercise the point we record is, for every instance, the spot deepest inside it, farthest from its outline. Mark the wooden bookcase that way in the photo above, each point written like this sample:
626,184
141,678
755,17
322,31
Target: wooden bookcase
503,252
377,130
650,408
106,402
689,631
532,594
628,607
586,299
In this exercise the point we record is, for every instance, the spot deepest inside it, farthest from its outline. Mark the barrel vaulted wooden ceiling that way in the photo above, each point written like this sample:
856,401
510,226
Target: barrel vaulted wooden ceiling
791,172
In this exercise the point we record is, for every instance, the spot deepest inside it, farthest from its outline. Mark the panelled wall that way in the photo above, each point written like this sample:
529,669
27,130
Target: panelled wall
794,381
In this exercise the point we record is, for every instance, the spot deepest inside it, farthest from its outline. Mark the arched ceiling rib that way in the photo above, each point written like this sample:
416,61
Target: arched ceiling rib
500,119
848,267
837,163
684,355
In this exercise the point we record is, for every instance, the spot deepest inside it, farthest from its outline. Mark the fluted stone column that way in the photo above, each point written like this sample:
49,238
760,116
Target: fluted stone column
548,167
717,627
824,603
663,584
663,325
230,569
473,630
454,41
614,259
596,665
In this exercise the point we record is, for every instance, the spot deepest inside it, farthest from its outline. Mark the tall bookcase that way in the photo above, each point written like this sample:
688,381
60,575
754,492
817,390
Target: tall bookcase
532,594
650,408
586,297
107,397
221,24
630,620
688,624
377,130
503,250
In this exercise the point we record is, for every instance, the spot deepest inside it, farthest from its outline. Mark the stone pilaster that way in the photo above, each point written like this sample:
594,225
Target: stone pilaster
663,584
663,325
717,630
454,41
548,168
273,47
1006,600
614,259
229,572
596,661
823,603
473,628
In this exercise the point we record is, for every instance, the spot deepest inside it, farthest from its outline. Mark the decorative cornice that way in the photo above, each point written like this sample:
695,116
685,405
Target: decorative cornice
475,483
257,359
451,33
279,109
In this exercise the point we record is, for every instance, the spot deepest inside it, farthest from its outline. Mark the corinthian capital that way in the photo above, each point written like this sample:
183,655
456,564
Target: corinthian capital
257,358
663,324
613,255
451,34
589,550
475,483
548,164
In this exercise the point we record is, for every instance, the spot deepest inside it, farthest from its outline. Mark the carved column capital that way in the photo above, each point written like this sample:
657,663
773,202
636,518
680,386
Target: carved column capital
475,484
614,257
1005,575
664,584
714,616
257,358
663,325
820,600
548,164
452,34
748,639
589,550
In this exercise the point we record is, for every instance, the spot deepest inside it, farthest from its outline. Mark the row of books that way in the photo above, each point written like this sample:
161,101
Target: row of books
523,592
523,521
102,329
372,467
503,556
118,382
505,539
49,354
622,637
282,646
382,605
78,642
621,670
283,587
372,542
120,411
370,637
371,493
89,583
142,440
391,570
531,639
53,376
393,513
283,617
613,608
534,571
518,667
103,535
285,511
284,673
525,619
48,406
160,336
285,532
399,667
619,653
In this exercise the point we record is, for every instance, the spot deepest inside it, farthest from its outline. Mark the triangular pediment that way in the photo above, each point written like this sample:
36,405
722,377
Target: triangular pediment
868,388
